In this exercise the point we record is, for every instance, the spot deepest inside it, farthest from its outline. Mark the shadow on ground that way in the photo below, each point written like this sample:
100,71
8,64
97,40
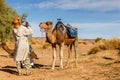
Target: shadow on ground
9,69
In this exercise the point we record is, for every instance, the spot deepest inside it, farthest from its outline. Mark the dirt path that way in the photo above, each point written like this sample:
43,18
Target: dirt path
91,67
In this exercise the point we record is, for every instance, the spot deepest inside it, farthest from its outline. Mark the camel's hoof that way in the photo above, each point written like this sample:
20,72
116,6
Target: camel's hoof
28,73
62,68
66,67
76,66
20,74
52,68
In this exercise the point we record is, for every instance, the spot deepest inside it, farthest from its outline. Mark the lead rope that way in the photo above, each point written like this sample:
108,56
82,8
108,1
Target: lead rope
43,42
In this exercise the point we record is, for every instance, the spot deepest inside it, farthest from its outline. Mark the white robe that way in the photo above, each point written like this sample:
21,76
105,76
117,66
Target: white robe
21,44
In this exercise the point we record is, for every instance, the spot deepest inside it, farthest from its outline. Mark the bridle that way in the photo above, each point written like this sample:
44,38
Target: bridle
46,30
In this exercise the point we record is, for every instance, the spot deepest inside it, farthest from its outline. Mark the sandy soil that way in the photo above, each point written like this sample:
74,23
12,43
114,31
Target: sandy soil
90,67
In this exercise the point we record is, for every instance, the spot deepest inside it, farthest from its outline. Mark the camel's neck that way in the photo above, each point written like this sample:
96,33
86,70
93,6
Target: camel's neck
7,49
50,36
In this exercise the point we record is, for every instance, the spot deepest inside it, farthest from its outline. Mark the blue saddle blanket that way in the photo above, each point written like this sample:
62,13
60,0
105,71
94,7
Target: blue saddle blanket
71,31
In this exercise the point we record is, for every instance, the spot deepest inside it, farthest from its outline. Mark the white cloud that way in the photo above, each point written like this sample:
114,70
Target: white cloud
100,5
44,4
96,25
94,30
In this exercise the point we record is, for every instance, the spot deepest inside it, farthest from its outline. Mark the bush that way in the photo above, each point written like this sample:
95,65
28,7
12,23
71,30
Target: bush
102,44
99,39
32,41
46,45
94,50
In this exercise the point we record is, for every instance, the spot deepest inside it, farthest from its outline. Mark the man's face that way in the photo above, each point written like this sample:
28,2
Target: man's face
16,21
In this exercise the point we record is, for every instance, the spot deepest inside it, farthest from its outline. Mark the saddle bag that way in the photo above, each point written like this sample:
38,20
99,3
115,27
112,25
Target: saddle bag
71,31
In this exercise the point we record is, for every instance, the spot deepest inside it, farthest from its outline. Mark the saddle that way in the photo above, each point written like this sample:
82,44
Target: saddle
70,30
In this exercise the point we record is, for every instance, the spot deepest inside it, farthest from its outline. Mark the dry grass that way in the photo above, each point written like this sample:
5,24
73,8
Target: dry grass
46,45
113,44
41,42
33,41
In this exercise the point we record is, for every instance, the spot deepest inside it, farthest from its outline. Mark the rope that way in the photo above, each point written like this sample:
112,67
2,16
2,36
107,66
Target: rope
42,42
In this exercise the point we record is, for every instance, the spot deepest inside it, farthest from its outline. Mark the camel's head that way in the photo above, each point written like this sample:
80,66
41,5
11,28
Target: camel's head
46,26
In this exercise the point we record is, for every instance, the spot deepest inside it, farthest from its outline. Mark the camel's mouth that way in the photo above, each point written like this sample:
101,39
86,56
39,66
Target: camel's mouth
44,29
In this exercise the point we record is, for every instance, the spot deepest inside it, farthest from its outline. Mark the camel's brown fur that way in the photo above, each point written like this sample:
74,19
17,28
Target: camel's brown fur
7,49
60,38
11,51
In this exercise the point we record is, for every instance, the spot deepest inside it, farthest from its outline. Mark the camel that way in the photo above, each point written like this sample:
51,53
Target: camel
58,36
7,49
11,51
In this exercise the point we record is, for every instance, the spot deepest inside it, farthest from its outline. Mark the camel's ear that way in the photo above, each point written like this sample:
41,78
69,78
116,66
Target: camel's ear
49,23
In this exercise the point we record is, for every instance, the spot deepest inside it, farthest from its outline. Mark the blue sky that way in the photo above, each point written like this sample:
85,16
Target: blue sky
94,18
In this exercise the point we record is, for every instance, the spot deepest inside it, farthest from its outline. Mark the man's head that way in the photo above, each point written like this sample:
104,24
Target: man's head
17,21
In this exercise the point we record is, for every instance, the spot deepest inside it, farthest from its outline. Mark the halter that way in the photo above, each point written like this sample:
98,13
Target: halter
42,39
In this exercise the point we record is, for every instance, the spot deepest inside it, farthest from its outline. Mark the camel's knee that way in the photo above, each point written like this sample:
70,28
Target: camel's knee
61,56
54,56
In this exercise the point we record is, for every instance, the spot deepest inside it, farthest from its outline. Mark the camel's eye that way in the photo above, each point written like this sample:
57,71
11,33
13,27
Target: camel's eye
47,23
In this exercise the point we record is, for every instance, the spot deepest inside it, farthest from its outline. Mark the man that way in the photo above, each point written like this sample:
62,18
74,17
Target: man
21,54
30,46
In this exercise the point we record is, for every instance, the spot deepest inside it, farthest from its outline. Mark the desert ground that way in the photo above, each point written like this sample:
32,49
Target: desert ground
104,65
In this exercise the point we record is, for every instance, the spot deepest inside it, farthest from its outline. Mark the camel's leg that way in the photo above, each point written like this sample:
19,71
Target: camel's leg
61,55
76,52
69,54
54,57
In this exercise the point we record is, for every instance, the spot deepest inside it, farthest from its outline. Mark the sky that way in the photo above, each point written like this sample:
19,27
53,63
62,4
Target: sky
93,18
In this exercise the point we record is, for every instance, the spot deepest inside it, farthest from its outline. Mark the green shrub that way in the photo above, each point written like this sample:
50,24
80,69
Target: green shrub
99,39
